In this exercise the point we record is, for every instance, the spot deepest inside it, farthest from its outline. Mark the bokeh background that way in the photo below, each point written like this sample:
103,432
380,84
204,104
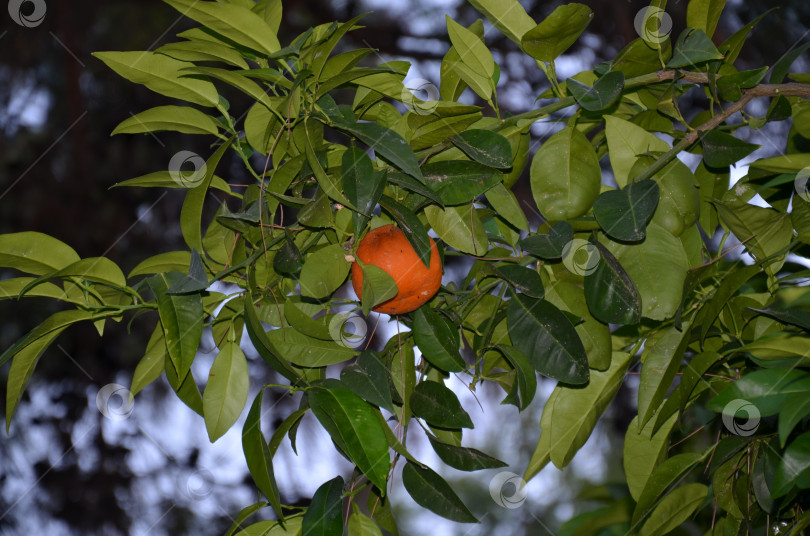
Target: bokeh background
65,468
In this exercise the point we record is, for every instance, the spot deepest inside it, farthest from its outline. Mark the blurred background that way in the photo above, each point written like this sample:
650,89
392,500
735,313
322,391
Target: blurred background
65,469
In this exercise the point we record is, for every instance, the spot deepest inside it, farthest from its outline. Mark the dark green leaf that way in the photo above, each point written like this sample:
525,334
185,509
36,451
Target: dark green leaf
557,32
431,491
604,91
793,467
324,271
258,336
624,214
195,281
413,185
797,407
369,378
361,184
257,455
721,149
457,182
411,226
324,517
438,340
765,389
782,66
610,293
524,385
485,147
439,406
549,246
465,459
226,391
793,315
288,259
387,144
182,320
693,47
522,279
670,472
378,287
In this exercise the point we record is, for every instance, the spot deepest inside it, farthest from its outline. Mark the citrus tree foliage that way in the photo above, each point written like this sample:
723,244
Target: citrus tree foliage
615,278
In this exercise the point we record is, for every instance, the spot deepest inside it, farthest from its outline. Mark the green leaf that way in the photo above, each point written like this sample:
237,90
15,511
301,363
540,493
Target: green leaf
288,258
551,245
544,334
577,409
97,269
732,46
291,527
306,351
172,261
459,227
674,509
151,365
557,32
794,466
182,321
263,345
506,205
462,458
191,213
195,281
624,214
34,253
765,389
226,392
693,47
765,231
362,186
245,513
704,14
369,379
27,351
524,385
565,175
258,456
721,149
797,407
458,182
522,279
198,50
324,517
234,22
472,51
161,74
413,185
354,426
663,352
362,525
324,271
626,142
438,340
781,67
11,288
185,387
657,268
378,287
792,315
431,491
439,406
386,144
729,286
611,295
603,93
670,472
170,179
485,147
410,224
174,118
643,451
508,16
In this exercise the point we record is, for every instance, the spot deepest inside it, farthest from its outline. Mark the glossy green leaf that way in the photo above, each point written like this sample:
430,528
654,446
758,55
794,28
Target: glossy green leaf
173,261
721,149
472,51
557,32
198,50
151,365
522,279
550,245
507,16
438,340
411,226
693,47
324,271
610,293
245,513
485,147
765,389
362,186
305,351
565,175
626,142
671,471
643,451
369,379
624,214
288,258
674,509
458,182
704,14
182,319
660,361
506,205
226,392
431,491
362,525
11,289
378,287
260,341
324,517
35,253
234,22
291,527
413,185
797,407
174,118
603,93
387,144
547,338
463,458
354,426
459,227
258,456
195,281
782,65
524,385
161,74
765,231
191,212
438,405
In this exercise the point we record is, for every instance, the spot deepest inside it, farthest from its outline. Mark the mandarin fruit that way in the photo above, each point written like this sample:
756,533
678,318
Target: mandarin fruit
388,248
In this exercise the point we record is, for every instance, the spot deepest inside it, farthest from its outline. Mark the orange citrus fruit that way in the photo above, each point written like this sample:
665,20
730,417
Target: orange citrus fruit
388,248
